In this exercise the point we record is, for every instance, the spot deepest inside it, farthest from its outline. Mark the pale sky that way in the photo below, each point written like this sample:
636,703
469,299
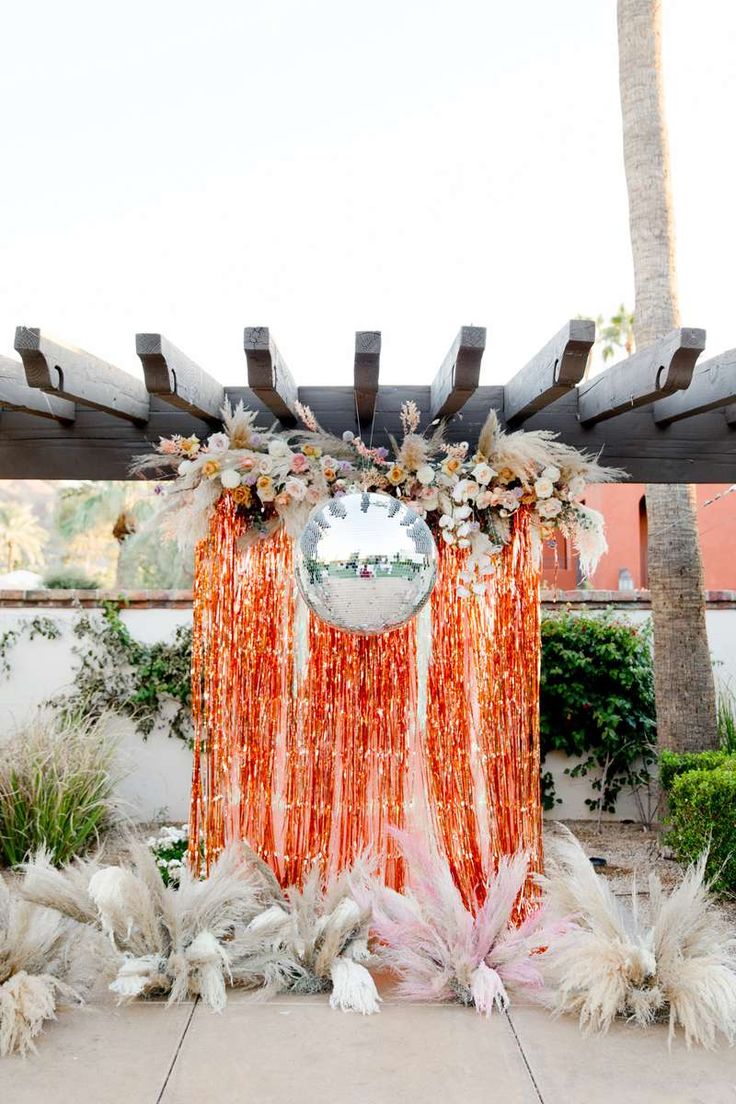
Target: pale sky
326,166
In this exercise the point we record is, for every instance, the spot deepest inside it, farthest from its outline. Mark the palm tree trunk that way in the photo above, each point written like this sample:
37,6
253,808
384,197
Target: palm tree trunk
683,675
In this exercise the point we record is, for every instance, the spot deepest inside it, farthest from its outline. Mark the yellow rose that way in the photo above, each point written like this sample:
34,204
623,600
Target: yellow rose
312,450
210,468
189,445
451,465
265,488
241,495
396,474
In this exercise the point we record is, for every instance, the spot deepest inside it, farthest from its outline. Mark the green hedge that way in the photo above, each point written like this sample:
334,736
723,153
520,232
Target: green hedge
703,815
674,763
597,702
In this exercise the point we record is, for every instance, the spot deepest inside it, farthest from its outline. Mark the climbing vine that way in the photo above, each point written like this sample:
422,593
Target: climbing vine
34,627
150,683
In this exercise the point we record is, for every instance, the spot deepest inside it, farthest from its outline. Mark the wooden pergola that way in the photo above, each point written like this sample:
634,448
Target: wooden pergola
660,415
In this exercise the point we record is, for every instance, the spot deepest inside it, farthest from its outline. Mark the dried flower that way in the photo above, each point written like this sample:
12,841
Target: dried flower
218,442
299,463
396,475
230,479
188,445
210,468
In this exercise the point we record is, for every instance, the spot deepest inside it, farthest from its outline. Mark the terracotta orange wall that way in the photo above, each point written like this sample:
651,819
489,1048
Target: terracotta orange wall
619,503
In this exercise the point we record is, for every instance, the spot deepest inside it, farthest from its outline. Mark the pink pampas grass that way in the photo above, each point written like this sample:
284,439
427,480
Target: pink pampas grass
440,951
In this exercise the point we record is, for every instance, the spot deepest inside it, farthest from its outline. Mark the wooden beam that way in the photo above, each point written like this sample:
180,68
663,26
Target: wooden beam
99,446
15,394
268,375
178,380
459,373
659,370
713,385
731,415
80,377
555,369
366,367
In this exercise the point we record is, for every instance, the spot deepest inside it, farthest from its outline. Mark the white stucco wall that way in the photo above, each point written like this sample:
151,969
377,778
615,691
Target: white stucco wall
158,769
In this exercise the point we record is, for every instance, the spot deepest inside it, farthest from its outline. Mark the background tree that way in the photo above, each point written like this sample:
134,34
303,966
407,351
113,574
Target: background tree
22,537
683,676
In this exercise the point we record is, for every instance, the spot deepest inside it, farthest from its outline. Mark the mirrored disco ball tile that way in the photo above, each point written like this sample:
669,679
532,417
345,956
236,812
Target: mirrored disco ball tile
365,563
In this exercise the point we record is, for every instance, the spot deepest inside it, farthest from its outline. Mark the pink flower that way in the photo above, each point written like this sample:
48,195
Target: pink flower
299,463
167,446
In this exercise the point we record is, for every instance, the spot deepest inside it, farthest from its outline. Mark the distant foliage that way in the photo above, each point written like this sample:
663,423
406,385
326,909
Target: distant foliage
150,683
70,581
597,702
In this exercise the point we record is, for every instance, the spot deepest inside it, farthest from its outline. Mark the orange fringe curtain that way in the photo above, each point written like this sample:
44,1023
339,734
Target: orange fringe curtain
315,764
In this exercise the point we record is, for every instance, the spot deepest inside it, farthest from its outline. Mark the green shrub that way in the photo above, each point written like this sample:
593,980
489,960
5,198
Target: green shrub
674,763
597,702
70,582
703,815
56,783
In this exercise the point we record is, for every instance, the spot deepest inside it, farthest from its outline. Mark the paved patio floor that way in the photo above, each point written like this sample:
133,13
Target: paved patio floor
299,1050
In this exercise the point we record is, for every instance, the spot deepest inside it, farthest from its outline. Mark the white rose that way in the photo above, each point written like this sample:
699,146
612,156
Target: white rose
446,522
230,479
549,507
425,474
465,489
483,474
447,536
576,487
552,473
463,529
218,442
543,487
185,466
430,502
265,465
463,543
277,447
462,512
295,489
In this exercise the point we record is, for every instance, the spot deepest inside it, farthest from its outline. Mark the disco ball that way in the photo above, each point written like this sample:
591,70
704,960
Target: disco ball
365,563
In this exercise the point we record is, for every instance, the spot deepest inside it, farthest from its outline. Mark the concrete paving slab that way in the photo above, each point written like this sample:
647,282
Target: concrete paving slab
100,1054
626,1066
308,1053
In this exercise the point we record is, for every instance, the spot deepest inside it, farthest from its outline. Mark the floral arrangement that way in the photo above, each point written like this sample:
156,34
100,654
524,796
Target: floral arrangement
169,849
468,496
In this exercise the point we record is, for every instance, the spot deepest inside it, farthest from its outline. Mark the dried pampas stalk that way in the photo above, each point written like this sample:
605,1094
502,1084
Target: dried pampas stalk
180,941
440,951
681,964
43,957
312,940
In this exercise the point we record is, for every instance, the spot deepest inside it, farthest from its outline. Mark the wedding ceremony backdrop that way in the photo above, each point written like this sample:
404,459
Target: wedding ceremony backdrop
312,742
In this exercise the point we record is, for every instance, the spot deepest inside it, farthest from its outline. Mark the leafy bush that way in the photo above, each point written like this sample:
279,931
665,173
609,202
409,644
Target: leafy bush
70,582
703,815
56,783
597,702
674,763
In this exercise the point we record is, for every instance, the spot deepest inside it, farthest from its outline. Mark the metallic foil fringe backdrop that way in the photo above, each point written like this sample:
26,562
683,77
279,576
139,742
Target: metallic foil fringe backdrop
311,742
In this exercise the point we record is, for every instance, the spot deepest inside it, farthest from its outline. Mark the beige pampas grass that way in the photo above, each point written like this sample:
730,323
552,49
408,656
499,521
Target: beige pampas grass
181,941
43,958
313,939
610,962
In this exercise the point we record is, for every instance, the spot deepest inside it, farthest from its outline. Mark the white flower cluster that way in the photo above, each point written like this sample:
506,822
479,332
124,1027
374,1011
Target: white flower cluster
171,838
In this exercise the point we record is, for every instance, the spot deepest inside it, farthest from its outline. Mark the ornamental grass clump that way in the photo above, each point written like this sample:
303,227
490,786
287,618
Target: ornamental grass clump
611,962
45,960
57,775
